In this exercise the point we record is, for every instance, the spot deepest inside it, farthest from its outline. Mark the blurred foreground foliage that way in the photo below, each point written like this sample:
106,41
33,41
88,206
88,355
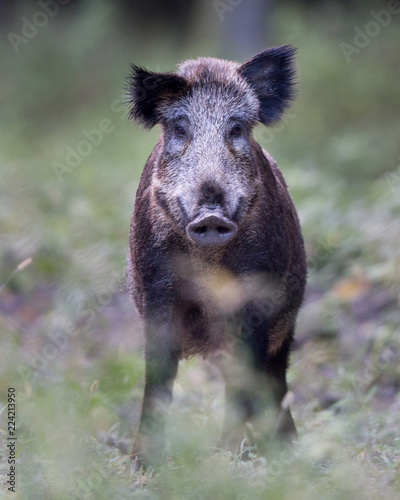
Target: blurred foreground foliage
70,340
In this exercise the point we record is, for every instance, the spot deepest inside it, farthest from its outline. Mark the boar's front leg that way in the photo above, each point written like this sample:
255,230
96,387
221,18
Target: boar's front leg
161,358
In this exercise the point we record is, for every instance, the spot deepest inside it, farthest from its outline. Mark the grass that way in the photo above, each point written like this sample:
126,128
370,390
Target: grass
71,343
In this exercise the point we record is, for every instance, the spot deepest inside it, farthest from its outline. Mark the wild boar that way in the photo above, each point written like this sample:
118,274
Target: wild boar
217,264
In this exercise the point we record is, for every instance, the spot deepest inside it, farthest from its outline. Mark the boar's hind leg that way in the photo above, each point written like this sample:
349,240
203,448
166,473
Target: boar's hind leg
161,369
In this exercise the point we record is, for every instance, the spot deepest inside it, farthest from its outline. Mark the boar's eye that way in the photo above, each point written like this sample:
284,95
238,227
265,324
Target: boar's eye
236,131
180,131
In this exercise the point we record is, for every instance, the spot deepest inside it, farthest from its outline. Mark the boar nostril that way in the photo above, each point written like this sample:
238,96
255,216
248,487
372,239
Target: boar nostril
211,230
200,230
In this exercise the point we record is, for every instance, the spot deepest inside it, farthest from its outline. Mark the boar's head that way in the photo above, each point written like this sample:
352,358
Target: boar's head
209,172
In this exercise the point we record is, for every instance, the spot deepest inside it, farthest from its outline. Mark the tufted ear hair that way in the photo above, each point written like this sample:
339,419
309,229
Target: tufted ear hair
271,74
147,90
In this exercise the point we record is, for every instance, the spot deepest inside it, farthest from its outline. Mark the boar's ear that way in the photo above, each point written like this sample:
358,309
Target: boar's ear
147,90
271,73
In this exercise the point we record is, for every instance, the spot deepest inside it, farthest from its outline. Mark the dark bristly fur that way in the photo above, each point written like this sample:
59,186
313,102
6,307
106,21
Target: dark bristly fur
147,89
272,75
217,263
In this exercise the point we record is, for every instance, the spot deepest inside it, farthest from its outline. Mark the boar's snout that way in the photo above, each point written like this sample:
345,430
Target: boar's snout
211,229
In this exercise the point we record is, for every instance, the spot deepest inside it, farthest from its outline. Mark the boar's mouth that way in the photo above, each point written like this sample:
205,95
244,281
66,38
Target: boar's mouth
211,228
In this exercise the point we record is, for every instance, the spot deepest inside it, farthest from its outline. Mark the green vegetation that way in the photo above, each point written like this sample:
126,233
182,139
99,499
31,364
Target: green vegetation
70,340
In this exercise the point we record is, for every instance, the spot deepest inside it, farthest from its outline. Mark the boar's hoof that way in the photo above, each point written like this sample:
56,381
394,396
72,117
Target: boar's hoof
211,230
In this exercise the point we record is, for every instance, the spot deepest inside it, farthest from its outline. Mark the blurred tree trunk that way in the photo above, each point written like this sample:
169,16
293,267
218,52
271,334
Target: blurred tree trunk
175,16
7,9
245,27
